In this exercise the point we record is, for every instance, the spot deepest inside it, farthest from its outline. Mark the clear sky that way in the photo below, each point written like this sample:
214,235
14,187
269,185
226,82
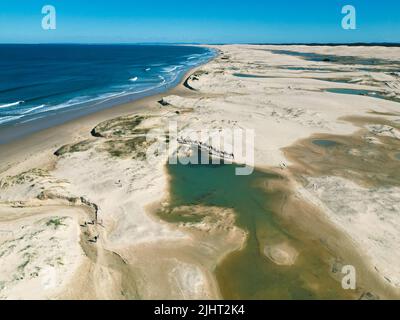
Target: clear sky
206,21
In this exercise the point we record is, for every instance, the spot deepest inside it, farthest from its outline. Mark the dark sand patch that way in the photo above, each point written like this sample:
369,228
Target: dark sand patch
345,60
377,113
352,157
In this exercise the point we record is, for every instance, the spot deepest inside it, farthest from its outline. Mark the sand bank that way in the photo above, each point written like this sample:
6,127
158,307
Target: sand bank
99,168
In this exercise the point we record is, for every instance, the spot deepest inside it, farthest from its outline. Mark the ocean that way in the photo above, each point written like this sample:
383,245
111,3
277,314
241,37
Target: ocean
43,81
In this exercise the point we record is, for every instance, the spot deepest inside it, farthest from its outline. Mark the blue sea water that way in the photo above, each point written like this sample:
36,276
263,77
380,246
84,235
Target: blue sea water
37,81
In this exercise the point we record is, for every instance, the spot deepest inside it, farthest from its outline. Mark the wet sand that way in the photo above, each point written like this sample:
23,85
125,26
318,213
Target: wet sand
257,202
319,199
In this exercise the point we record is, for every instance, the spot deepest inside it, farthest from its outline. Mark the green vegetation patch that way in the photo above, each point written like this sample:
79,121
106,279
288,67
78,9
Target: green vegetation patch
77,147
120,127
134,148
56,222
24,177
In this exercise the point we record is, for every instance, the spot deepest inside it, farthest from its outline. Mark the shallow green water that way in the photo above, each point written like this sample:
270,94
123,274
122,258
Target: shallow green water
398,156
353,91
245,75
248,274
325,143
308,69
358,92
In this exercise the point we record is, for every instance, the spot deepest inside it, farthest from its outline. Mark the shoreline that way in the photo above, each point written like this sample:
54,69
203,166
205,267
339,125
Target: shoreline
75,129
271,106
119,81
290,121
38,149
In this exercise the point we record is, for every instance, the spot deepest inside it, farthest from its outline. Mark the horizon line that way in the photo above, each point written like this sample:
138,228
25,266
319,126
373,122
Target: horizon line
215,43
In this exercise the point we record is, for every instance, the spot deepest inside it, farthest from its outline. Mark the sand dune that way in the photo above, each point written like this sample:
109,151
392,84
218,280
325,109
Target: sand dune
99,174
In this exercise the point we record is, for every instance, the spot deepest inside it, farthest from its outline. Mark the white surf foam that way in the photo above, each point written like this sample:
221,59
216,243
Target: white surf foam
34,108
170,69
9,119
12,104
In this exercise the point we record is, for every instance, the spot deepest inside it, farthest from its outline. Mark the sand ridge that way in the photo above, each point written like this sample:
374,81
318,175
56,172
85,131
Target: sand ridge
101,172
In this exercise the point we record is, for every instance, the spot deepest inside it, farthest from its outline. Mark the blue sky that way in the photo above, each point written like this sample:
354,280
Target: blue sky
206,21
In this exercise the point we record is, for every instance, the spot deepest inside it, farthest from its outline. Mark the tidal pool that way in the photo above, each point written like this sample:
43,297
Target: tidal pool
245,75
359,92
248,273
346,60
324,143
326,70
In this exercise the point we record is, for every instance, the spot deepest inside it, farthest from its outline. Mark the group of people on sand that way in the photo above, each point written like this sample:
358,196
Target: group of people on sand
203,145
92,222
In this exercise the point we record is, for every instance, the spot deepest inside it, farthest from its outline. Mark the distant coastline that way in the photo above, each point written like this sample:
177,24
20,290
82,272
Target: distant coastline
95,78
332,44
355,44
322,44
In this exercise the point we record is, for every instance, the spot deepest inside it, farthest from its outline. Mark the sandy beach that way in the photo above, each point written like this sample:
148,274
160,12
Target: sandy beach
81,209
